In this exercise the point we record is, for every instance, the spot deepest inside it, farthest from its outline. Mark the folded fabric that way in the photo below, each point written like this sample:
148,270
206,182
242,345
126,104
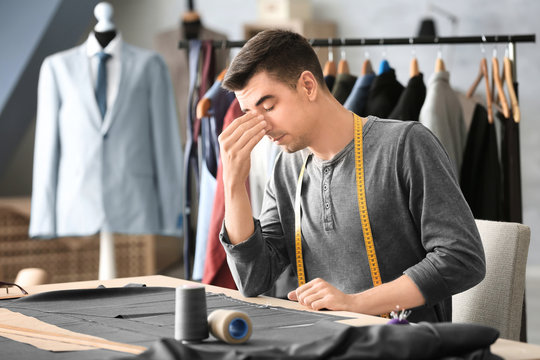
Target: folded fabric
419,341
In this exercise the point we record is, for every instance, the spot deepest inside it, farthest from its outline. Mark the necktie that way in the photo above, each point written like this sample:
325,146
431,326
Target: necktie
101,87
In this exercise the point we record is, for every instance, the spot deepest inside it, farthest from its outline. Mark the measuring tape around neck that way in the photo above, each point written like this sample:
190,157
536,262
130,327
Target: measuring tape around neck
362,208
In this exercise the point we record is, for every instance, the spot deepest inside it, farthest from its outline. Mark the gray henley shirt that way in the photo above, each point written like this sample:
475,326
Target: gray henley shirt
420,221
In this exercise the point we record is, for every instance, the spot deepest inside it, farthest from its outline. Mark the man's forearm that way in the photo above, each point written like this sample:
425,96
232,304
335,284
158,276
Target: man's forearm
238,214
382,299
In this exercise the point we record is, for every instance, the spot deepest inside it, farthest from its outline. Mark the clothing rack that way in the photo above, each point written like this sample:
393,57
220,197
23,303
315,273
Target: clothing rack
423,40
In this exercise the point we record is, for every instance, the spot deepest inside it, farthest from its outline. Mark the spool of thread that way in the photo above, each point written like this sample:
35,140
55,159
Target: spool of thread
233,327
190,323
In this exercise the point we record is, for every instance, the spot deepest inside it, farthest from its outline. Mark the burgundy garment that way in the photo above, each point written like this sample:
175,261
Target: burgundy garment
208,74
216,270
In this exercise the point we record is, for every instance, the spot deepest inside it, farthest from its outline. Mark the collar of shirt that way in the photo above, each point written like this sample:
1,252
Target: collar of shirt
113,48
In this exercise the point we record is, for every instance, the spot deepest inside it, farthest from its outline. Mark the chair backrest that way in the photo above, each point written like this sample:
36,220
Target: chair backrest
497,301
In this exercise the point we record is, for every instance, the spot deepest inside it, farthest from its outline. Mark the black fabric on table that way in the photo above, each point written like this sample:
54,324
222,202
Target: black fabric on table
133,315
422,341
145,316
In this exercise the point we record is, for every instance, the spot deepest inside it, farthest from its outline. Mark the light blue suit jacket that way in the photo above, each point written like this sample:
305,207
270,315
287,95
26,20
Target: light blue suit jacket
120,174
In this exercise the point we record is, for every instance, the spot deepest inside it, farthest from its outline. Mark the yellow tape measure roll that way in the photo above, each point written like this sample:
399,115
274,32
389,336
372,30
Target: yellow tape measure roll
362,208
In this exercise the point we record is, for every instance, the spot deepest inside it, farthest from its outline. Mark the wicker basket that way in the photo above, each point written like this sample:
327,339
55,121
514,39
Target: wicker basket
77,258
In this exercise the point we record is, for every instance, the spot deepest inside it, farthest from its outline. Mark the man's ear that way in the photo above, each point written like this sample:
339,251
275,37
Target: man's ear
308,85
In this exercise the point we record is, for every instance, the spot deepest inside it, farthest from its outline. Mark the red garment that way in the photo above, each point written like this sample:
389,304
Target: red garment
216,270
207,78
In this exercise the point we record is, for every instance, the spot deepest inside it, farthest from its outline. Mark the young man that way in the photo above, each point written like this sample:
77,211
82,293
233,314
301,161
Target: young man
425,239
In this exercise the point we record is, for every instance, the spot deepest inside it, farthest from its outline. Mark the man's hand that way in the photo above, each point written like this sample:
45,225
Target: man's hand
318,294
236,143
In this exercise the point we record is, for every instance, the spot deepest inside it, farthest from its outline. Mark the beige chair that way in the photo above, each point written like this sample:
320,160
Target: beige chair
498,300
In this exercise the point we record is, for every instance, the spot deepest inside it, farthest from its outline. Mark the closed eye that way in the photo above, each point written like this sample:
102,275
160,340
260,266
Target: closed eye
269,109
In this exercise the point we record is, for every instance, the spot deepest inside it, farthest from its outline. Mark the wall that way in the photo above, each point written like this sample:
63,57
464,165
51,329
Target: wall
12,16
30,30
140,20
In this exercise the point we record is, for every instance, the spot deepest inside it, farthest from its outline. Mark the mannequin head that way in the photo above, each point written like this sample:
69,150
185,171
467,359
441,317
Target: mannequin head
104,14
105,30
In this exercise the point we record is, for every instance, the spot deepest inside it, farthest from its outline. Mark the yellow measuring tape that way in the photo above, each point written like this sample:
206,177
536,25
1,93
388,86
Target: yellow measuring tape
362,208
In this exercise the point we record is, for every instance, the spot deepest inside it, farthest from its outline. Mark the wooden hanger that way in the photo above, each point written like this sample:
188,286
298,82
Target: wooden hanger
221,75
439,64
330,66
413,69
499,87
367,68
483,73
191,16
203,106
343,67
508,79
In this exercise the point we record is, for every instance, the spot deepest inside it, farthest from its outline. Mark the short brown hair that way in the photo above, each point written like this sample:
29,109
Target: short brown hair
283,54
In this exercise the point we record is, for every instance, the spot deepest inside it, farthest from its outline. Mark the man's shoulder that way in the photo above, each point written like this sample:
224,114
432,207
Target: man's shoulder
392,129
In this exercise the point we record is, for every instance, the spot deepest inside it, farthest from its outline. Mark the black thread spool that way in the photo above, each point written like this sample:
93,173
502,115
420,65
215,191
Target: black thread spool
191,324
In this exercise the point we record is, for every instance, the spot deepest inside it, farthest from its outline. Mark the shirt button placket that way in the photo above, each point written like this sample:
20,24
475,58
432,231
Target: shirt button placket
326,198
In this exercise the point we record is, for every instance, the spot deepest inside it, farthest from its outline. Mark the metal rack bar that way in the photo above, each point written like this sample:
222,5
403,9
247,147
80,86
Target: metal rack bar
425,40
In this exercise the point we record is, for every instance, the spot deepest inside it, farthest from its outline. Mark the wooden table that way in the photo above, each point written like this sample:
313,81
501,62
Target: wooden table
507,349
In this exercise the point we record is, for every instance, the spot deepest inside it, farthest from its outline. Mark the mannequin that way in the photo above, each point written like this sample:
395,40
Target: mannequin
107,154
105,31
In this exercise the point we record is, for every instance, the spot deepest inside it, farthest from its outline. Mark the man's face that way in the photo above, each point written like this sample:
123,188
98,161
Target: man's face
282,107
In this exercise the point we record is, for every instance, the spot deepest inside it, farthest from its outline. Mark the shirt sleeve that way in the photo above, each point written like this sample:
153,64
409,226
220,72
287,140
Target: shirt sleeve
46,155
454,260
257,262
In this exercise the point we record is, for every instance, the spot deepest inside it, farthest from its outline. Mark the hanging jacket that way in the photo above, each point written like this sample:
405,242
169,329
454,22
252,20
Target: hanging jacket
330,80
220,100
411,100
480,171
383,94
343,86
511,169
121,173
442,114
358,98
216,270
192,157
